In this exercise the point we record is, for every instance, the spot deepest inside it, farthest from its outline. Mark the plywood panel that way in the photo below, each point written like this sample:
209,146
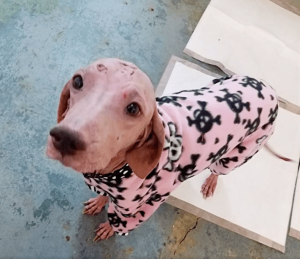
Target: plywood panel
253,37
295,223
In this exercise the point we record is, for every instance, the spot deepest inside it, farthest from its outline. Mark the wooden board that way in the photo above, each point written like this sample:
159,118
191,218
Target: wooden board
295,223
253,37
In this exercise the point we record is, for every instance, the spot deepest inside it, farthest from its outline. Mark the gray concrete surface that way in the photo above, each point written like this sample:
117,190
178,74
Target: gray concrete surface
41,44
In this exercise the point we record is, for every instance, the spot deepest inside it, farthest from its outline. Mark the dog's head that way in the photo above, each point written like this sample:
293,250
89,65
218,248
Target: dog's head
107,115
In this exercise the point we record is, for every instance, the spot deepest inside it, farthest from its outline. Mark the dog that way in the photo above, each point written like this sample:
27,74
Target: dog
134,149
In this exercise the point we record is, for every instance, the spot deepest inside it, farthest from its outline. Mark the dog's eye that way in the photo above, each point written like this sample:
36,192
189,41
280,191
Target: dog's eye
133,109
77,82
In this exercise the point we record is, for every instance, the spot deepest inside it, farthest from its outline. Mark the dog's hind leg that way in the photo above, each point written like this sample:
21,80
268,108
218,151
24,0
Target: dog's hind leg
209,186
94,205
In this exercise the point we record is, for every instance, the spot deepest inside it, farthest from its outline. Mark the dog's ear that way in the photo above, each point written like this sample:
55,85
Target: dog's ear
144,157
63,105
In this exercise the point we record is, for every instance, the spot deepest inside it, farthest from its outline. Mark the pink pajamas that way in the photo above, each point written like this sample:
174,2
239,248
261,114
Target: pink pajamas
220,127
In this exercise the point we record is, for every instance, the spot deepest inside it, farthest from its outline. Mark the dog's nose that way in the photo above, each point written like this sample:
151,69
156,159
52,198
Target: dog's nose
67,142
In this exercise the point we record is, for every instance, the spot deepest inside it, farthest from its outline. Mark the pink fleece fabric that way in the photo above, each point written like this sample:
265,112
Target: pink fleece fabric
220,127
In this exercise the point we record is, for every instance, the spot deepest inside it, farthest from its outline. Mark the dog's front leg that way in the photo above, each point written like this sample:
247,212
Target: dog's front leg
209,186
104,231
95,205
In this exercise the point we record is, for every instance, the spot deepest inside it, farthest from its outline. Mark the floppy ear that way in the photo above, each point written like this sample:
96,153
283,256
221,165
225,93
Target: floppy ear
63,105
143,159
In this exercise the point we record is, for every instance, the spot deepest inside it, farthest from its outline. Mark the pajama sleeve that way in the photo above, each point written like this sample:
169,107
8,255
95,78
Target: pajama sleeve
97,190
125,220
225,165
93,185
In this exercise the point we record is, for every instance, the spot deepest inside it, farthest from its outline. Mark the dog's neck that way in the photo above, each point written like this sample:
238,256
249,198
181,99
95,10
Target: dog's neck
115,163
119,160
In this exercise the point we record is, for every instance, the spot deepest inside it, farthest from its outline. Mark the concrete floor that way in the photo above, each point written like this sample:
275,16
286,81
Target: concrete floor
42,43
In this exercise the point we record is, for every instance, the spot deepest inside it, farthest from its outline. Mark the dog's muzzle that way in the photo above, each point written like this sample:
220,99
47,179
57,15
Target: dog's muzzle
66,141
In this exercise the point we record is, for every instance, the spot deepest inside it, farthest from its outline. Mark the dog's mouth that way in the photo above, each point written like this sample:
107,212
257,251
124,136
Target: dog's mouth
92,160
76,162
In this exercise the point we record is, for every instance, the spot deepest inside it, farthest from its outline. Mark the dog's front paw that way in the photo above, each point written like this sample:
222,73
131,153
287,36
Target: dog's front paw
95,205
209,186
104,231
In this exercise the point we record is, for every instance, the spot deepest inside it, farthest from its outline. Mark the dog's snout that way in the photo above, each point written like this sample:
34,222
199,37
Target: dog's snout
67,142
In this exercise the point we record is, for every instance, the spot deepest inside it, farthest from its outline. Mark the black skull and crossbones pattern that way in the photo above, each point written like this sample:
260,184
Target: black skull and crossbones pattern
235,103
253,126
153,173
115,220
260,140
252,82
221,79
129,215
189,170
272,117
174,147
156,197
170,99
96,189
153,186
116,199
137,198
225,161
115,179
247,159
240,148
203,121
196,91
223,150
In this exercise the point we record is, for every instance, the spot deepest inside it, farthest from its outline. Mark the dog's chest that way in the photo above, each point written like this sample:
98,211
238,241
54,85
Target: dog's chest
125,189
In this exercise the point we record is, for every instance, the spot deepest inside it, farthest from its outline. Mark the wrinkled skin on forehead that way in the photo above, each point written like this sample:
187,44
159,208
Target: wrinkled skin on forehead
97,112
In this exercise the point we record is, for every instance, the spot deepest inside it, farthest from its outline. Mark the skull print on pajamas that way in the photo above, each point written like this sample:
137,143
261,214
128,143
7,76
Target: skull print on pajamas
203,121
174,145
235,103
220,127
